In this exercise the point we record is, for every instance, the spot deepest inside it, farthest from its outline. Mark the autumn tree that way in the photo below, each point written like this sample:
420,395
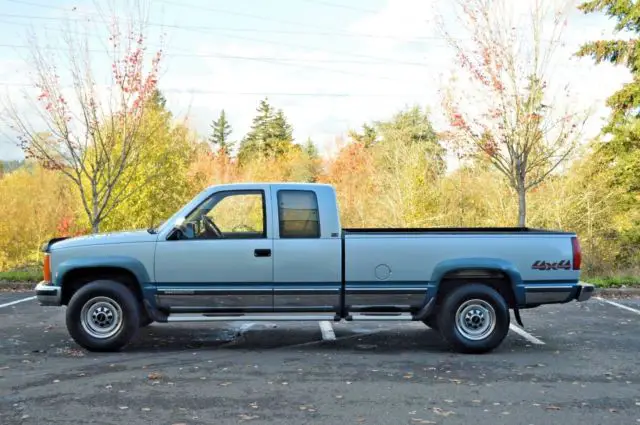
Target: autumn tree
167,148
618,158
506,111
92,131
220,132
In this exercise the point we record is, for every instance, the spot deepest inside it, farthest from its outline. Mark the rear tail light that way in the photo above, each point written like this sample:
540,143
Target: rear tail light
577,254
46,268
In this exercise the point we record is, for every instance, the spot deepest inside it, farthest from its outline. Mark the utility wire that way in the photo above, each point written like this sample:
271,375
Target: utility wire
341,6
257,59
207,30
250,93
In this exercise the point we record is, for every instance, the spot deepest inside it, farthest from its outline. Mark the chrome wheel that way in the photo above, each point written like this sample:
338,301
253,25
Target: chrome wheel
101,317
475,319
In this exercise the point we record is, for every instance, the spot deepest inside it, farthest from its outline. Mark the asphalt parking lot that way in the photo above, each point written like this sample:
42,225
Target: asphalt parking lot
575,364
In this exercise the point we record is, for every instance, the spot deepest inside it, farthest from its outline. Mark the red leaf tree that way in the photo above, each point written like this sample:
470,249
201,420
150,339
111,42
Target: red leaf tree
92,130
502,110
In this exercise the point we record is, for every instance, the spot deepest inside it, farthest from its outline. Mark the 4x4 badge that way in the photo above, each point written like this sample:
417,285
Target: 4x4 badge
543,265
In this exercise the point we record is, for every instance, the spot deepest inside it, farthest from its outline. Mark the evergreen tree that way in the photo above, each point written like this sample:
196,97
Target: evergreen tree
270,135
618,160
367,137
158,100
220,131
311,149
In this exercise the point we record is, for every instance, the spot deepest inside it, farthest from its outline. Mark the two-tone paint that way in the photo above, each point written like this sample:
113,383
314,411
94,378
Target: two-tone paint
340,271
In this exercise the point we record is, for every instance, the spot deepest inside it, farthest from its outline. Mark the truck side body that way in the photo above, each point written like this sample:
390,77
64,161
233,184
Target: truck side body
291,258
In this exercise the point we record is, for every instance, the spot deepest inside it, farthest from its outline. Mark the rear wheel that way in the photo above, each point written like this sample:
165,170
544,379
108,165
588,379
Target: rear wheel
474,318
103,316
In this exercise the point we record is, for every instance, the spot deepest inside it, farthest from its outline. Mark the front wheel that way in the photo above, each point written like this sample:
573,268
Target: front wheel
474,319
103,316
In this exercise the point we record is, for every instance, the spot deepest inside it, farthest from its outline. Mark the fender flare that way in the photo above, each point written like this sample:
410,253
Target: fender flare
129,264
480,263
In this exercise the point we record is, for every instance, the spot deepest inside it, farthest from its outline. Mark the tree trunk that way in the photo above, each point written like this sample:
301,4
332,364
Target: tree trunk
95,221
522,207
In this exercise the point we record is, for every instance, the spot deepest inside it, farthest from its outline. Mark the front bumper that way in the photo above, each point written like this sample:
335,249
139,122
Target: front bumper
48,295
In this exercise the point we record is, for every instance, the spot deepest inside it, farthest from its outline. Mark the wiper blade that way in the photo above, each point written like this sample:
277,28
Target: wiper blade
152,230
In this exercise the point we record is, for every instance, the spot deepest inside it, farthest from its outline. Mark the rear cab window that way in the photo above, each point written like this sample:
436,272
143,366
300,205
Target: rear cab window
298,214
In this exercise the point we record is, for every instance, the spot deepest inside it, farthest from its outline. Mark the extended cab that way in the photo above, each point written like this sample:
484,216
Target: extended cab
277,252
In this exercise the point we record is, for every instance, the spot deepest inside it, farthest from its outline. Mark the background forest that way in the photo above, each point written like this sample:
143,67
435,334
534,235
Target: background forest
514,168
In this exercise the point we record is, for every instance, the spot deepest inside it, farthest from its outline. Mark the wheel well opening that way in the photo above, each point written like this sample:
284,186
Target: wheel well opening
75,279
496,279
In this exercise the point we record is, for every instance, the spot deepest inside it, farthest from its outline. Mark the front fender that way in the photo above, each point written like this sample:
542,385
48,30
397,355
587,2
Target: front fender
129,264
496,264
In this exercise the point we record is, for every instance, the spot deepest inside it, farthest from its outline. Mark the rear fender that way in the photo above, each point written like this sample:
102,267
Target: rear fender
489,264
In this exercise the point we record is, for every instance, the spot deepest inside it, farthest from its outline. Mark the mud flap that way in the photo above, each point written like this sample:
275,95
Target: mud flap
516,312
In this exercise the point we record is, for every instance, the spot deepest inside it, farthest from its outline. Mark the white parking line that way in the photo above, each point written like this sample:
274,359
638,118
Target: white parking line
624,307
17,302
327,331
526,335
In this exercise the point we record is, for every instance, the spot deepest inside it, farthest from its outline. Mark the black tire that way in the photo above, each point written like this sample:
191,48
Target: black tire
484,297
103,297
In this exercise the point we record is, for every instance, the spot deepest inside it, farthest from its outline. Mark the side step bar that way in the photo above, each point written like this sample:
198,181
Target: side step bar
176,318
388,317
249,317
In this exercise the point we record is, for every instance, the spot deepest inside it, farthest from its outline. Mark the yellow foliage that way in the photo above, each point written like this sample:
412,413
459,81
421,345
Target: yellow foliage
34,206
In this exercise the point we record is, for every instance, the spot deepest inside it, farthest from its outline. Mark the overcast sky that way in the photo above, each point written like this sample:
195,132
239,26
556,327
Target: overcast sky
331,65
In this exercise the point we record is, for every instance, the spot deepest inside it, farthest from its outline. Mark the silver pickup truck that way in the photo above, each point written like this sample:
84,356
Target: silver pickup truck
277,252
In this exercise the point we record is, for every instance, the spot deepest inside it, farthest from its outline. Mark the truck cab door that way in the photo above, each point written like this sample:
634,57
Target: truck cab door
220,259
307,257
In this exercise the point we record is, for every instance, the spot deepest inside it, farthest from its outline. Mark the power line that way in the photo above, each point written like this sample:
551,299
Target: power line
248,93
342,6
257,59
207,30
282,59
255,30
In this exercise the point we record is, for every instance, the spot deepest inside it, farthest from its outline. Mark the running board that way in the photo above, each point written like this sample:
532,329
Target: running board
249,317
389,317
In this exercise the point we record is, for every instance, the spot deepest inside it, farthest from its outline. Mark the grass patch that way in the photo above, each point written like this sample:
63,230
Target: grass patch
27,274
614,281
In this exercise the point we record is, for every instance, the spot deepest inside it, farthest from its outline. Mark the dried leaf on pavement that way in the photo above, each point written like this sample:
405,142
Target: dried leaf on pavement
442,412
155,376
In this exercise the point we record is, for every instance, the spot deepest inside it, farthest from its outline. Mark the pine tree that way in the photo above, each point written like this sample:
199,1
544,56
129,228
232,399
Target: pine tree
619,158
220,131
270,135
368,136
311,149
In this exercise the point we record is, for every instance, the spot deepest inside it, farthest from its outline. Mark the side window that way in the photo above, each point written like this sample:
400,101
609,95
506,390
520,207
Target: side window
298,214
239,215
227,215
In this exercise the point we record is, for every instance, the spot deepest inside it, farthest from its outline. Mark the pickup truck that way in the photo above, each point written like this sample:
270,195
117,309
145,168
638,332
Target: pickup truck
275,252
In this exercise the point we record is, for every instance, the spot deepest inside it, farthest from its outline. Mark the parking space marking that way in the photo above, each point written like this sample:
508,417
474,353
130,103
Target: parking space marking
327,331
17,302
526,335
613,303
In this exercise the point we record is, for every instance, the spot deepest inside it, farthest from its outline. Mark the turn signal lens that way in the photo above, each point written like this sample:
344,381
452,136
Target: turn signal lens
46,269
